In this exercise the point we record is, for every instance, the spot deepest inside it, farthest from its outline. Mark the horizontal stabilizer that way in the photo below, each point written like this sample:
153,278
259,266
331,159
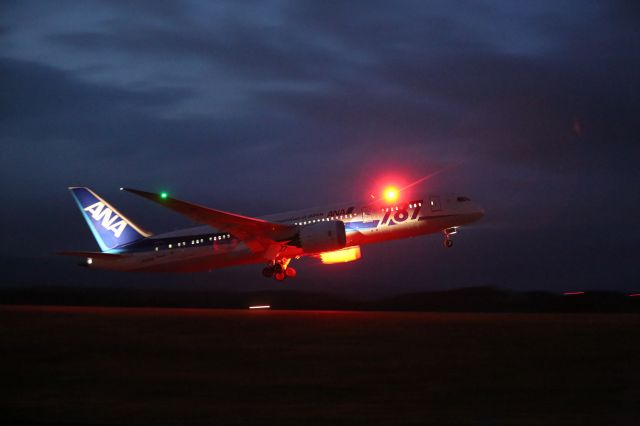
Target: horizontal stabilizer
94,254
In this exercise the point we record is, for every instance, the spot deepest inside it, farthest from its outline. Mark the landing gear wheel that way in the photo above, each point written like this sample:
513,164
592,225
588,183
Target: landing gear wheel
290,272
279,269
448,243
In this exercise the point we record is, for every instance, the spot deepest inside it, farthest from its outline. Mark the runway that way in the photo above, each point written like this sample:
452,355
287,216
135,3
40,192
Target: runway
110,366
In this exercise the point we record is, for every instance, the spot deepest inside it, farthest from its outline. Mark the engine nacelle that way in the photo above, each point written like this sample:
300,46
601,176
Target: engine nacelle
322,236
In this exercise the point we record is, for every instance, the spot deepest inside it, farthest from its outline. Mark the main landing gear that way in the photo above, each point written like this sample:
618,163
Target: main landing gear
280,270
448,242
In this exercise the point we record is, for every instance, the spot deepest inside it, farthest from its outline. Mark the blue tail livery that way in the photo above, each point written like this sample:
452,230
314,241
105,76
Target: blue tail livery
110,228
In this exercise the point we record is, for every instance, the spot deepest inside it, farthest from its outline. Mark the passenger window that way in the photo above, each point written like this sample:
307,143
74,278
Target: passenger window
435,203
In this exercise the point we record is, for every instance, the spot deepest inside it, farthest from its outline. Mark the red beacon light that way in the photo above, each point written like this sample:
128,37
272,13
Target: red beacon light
391,194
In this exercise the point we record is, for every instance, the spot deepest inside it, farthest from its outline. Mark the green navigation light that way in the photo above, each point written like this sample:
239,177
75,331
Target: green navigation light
163,195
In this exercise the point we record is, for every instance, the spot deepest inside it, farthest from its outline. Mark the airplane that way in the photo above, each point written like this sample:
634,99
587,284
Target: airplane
333,234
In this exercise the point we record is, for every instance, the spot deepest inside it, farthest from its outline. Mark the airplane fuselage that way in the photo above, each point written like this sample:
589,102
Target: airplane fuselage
204,248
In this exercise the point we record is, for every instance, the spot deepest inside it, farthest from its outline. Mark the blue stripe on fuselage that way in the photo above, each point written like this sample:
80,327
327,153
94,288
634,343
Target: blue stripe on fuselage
355,226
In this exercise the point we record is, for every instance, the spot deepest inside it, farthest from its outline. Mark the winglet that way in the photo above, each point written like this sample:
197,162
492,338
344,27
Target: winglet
148,195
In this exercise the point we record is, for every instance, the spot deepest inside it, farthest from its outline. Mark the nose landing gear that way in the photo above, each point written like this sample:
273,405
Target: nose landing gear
448,242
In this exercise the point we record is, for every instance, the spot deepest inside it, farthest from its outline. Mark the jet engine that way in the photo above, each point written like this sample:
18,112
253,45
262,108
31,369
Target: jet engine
322,236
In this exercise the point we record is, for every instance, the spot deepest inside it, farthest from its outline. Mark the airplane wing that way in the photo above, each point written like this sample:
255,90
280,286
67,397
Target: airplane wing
257,234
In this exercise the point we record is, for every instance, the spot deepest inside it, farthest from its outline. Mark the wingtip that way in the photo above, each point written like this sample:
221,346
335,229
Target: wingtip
153,196
135,191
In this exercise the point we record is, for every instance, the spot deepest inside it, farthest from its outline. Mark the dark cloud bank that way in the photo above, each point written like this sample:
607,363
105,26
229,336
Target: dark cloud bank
256,109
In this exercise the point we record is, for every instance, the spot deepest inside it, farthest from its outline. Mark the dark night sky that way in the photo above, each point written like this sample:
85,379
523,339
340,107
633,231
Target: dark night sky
260,107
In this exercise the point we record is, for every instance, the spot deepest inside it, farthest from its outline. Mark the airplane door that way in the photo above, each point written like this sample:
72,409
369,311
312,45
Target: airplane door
434,201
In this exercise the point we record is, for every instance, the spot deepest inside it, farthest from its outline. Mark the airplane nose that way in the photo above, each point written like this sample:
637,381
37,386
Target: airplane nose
478,213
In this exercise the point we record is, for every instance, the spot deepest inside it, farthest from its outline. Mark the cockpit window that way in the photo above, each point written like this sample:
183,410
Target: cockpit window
463,199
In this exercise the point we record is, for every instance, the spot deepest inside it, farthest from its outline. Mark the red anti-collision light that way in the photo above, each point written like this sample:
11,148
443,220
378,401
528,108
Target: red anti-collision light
391,194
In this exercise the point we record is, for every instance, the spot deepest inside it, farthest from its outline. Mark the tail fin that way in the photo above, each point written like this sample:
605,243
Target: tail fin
109,227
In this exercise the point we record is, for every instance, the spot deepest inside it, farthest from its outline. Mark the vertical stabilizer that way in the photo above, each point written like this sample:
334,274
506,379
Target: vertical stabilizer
110,228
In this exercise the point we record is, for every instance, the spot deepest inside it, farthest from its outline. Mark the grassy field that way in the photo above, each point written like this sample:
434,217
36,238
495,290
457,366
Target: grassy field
109,366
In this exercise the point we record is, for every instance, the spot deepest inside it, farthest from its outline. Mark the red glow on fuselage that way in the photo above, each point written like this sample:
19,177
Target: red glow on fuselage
573,293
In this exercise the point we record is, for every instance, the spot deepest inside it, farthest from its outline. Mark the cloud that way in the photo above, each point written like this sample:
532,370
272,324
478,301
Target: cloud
35,90
258,107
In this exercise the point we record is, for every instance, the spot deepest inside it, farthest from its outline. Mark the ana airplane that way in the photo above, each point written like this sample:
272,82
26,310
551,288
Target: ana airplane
333,234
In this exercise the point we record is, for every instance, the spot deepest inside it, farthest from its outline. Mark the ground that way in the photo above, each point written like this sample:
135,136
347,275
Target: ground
194,366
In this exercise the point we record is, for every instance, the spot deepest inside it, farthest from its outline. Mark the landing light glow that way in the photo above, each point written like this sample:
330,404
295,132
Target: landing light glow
344,255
